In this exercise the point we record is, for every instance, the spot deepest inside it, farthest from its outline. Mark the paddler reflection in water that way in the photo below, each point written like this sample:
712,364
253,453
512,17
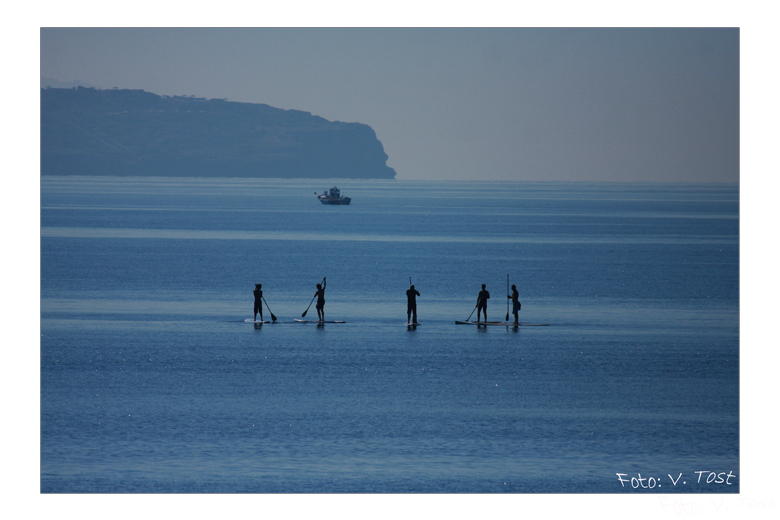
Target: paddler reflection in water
258,292
515,302
482,299
411,304
320,294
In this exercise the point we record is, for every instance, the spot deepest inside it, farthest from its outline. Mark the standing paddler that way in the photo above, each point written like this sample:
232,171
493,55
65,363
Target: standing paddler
515,302
320,294
258,292
482,299
411,304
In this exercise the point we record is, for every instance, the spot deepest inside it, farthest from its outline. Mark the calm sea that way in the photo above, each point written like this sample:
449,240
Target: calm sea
152,382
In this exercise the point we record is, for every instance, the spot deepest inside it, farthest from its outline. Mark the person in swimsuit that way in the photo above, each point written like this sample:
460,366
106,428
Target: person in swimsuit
411,303
515,302
258,292
321,299
482,299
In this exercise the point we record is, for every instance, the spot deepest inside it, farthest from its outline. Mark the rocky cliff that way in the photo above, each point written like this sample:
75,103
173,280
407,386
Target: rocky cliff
85,131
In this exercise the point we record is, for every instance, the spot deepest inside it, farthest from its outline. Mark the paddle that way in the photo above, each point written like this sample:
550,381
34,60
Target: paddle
507,300
312,301
307,308
472,312
269,310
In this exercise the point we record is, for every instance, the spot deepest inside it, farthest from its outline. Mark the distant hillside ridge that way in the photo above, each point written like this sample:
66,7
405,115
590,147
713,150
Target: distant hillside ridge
86,131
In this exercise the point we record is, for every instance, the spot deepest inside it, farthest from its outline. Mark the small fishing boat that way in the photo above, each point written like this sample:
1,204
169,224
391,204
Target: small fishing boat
333,196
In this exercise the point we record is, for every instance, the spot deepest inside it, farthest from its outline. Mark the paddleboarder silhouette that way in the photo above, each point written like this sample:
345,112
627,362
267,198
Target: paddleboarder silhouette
515,302
320,294
482,299
258,292
411,303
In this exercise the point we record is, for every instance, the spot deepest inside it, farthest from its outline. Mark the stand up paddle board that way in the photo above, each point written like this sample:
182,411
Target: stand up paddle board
533,324
504,323
317,321
248,320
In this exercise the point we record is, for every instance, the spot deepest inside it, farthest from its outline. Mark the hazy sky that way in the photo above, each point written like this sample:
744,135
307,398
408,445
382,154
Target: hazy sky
515,104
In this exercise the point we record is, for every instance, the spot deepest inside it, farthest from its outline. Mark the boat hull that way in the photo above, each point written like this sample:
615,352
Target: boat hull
338,202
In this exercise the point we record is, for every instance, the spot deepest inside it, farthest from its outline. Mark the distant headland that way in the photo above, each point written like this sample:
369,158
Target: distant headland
86,131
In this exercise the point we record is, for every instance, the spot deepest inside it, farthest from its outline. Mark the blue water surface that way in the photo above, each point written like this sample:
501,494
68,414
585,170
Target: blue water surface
152,382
